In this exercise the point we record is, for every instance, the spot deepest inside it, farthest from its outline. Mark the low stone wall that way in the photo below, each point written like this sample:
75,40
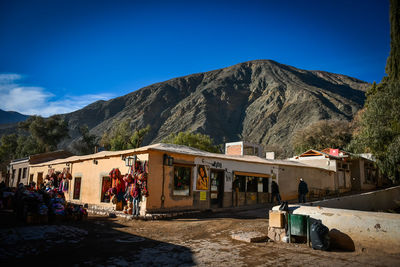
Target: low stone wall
380,200
357,229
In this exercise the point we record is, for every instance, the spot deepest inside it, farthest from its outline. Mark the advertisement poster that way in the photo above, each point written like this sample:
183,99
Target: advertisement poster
203,195
202,178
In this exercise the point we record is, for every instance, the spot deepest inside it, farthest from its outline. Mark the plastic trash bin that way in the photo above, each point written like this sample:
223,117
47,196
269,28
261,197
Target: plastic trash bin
299,225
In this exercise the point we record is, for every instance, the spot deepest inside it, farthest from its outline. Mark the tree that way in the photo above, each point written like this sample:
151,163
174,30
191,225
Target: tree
122,137
322,134
200,141
378,130
47,133
138,136
8,148
87,142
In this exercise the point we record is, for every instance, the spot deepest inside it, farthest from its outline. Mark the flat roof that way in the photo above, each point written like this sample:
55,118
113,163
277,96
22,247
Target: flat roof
177,149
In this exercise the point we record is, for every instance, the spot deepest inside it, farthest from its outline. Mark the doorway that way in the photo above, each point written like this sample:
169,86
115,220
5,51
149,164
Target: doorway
216,188
39,180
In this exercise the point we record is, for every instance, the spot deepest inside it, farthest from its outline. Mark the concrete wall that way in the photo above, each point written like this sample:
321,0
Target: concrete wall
19,173
358,229
44,169
91,174
156,174
317,180
318,161
372,201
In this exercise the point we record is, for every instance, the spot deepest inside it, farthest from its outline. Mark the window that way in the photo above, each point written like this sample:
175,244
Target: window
262,185
24,173
77,188
182,181
240,183
105,186
19,176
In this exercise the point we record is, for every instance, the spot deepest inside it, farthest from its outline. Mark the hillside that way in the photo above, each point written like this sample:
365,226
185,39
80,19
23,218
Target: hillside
7,117
260,101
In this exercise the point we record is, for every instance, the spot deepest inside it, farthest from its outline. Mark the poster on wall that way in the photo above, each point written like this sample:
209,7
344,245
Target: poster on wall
203,195
202,178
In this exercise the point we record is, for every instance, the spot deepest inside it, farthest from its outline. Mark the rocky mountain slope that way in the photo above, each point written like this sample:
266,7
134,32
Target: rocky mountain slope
7,117
260,101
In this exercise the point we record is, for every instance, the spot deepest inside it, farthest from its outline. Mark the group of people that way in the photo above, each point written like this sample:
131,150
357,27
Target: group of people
302,191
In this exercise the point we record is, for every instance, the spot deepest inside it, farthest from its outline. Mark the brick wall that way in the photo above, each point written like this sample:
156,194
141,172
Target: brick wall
234,150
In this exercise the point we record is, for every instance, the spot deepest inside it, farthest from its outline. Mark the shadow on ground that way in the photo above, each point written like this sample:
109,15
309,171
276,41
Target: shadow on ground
92,242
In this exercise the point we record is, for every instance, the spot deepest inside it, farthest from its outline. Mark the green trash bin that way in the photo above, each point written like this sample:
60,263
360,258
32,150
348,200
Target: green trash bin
299,225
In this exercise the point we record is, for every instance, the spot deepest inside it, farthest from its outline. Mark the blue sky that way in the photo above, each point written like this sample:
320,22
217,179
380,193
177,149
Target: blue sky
57,56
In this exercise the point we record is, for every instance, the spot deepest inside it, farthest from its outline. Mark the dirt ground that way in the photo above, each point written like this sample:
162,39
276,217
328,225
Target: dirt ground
203,239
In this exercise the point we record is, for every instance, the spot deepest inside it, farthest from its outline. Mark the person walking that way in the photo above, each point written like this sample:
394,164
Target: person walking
275,192
303,190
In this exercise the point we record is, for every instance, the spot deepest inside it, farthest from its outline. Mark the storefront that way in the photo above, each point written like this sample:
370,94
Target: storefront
251,188
177,178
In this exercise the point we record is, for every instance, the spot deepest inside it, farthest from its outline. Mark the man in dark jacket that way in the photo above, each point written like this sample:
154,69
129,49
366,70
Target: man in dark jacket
275,192
303,190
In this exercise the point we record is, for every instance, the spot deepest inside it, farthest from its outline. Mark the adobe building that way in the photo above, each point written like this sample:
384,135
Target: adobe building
19,169
182,178
352,171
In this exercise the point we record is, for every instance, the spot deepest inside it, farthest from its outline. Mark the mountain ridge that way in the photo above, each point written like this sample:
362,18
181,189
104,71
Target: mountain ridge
260,101
10,117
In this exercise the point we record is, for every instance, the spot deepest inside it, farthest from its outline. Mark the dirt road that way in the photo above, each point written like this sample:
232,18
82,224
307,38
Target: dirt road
203,240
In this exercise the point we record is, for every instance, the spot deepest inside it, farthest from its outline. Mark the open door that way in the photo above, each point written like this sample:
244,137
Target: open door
39,180
217,188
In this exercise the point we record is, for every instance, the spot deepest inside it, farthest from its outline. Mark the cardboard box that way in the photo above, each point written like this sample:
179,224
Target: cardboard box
276,219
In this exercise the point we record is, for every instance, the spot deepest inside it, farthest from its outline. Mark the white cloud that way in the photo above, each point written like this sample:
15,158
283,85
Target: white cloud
33,100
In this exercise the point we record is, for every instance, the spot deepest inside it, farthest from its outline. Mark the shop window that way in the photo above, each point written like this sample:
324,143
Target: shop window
262,185
252,184
239,184
105,186
182,181
77,188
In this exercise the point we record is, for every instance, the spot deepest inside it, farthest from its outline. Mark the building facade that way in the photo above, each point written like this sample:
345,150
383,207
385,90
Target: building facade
183,178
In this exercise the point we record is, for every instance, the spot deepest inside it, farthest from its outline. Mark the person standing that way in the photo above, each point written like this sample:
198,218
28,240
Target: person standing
303,190
275,192
136,194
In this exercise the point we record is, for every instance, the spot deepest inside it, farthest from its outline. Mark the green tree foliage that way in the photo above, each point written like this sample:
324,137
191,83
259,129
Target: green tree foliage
393,61
41,135
122,137
87,142
378,130
200,141
323,134
137,138
47,133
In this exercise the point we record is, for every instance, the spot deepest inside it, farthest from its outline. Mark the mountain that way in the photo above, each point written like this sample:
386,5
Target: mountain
7,117
261,101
